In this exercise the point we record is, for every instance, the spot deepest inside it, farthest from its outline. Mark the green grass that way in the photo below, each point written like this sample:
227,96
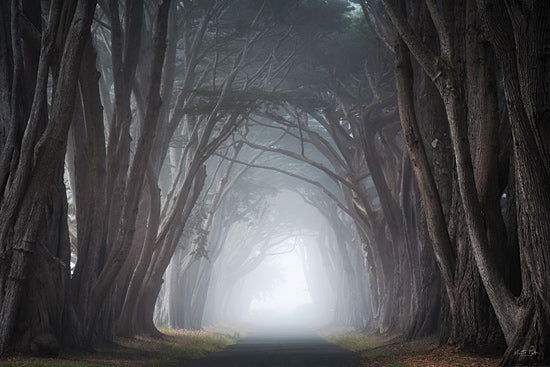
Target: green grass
368,348
182,345
175,347
193,344
353,341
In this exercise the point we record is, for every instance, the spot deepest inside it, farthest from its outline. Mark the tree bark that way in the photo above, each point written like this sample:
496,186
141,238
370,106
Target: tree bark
38,214
137,170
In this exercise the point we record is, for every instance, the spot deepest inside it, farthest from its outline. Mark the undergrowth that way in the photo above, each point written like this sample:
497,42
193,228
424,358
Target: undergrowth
173,348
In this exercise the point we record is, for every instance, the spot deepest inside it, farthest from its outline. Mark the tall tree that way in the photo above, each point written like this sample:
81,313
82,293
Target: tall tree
33,210
514,314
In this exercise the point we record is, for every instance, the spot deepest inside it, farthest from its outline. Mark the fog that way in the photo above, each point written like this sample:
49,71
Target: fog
288,305
269,277
278,255
291,290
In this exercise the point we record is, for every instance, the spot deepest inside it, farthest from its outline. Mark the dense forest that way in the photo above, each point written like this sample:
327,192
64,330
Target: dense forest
144,146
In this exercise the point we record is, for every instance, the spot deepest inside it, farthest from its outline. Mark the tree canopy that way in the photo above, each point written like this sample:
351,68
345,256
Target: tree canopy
145,146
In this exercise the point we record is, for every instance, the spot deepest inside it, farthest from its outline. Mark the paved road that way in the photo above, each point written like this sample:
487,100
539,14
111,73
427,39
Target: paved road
303,350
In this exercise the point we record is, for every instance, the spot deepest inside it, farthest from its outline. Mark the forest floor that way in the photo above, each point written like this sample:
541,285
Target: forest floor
377,351
178,348
175,348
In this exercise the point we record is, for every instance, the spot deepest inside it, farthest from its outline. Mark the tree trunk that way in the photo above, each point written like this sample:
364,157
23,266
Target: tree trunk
136,175
89,191
37,216
140,301
450,244
524,63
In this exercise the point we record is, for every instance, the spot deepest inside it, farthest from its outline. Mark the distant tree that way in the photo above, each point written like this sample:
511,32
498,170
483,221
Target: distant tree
351,122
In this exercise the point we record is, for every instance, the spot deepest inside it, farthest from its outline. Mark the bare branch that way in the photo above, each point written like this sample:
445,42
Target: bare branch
302,178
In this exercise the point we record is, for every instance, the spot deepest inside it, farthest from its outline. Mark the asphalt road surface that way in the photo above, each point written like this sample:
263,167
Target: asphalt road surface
303,350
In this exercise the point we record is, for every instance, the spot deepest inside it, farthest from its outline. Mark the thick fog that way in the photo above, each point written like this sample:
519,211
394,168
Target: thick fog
267,249
269,276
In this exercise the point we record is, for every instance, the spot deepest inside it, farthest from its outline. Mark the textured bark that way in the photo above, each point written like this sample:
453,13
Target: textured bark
525,100
90,184
37,302
435,218
526,90
125,48
5,78
137,170
426,319
150,288
468,315
479,192
125,321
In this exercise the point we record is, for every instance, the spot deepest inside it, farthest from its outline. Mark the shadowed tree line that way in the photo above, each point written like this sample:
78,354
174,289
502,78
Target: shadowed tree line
143,76
130,131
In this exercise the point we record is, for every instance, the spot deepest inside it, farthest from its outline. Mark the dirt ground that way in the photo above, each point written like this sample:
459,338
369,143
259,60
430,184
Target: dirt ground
379,351
427,353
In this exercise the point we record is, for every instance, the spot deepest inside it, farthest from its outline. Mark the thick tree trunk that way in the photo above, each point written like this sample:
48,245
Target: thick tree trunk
523,60
46,309
454,259
128,311
36,211
435,218
426,319
140,301
125,48
89,191
5,84
121,247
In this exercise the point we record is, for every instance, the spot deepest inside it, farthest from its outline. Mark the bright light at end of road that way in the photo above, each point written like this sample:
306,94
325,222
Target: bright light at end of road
291,290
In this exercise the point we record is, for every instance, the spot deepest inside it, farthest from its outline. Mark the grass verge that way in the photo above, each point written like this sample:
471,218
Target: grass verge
378,351
173,349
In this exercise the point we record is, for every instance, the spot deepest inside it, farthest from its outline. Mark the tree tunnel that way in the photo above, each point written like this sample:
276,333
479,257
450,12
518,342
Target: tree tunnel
363,162
278,269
